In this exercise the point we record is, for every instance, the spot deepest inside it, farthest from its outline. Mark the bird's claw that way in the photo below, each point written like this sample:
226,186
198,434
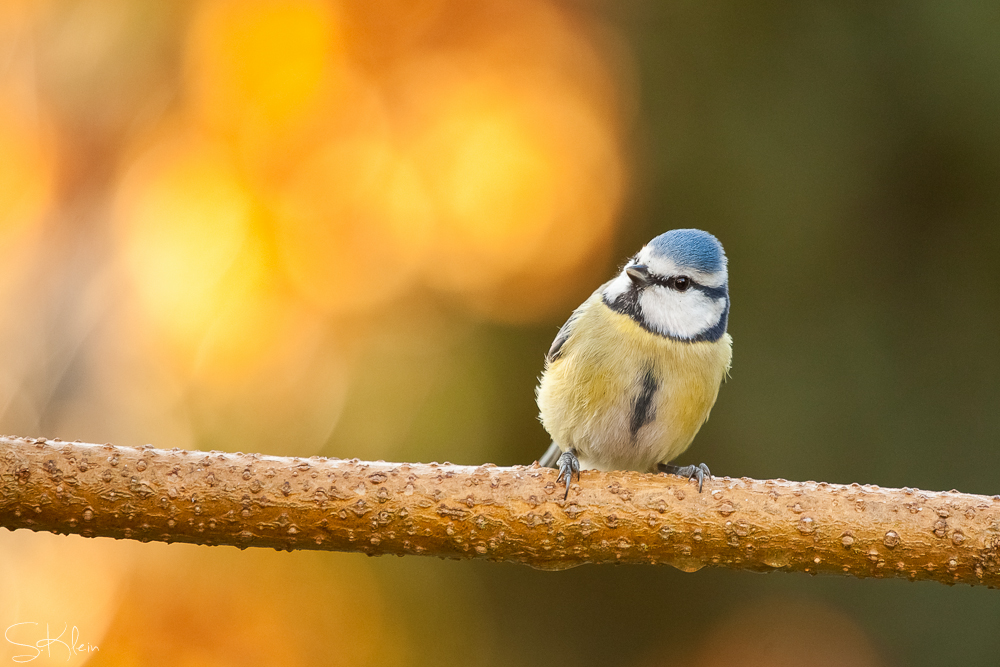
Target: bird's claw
698,472
568,466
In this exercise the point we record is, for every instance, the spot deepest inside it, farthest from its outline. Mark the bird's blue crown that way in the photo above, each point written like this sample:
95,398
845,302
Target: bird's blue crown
691,248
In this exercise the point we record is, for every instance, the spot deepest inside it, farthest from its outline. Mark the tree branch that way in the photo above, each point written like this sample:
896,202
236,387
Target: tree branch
504,514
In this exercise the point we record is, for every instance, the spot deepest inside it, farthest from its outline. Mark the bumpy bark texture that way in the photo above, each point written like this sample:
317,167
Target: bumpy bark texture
505,514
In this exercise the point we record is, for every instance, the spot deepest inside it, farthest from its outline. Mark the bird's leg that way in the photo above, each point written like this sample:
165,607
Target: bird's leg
568,465
698,472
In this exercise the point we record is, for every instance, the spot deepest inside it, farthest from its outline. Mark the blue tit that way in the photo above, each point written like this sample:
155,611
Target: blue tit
634,372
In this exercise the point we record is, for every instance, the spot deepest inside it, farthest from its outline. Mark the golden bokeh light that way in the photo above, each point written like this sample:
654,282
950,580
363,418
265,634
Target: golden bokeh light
198,256
258,71
511,127
185,222
353,224
39,589
494,181
490,159
380,33
295,610
528,180
26,174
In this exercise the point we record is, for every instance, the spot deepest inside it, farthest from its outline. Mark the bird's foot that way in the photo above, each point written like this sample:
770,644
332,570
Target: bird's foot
698,472
568,465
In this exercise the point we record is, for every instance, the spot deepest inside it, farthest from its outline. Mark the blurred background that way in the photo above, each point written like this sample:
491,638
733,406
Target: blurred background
352,229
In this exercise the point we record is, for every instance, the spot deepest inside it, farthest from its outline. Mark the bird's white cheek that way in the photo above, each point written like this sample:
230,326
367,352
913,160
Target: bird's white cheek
618,286
680,314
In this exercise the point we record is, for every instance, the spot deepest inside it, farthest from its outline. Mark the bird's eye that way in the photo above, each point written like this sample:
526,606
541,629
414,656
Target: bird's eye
681,283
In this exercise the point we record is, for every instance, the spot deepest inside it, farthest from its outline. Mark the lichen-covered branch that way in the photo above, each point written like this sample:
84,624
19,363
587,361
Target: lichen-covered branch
508,514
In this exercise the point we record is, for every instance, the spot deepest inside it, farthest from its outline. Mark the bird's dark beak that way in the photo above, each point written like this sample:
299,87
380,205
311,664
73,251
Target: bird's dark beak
639,274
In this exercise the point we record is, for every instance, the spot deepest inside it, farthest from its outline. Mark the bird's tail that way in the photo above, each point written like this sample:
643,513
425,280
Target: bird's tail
548,459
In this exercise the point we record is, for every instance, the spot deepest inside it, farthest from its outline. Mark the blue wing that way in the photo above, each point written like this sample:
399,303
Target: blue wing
567,329
564,333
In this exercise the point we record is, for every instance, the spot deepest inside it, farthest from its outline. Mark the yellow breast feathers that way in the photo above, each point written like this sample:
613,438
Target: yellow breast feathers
626,398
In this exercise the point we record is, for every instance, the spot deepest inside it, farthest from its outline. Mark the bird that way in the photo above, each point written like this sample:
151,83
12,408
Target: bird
633,374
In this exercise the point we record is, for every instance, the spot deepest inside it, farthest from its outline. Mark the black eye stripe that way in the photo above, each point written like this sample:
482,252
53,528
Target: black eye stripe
711,292
672,282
